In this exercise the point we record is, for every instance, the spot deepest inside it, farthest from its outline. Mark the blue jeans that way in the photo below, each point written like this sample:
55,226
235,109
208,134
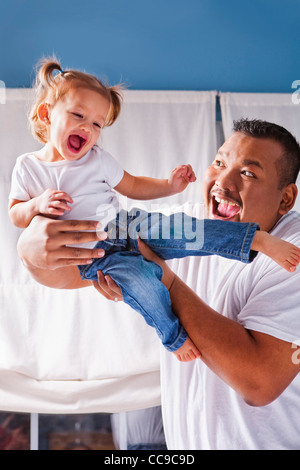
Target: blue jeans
174,236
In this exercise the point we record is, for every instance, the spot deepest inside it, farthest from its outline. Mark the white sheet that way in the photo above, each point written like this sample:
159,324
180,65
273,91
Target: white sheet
280,108
73,351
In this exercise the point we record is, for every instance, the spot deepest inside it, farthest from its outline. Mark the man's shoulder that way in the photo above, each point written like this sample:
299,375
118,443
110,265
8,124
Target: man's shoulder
288,227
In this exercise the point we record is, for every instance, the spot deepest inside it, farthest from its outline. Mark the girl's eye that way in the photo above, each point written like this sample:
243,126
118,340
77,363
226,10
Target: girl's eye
77,115
97,125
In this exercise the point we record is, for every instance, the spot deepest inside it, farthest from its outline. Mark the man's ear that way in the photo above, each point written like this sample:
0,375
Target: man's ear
289,195
43,113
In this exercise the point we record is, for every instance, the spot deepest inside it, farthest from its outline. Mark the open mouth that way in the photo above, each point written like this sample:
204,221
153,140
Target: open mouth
224,208
76,142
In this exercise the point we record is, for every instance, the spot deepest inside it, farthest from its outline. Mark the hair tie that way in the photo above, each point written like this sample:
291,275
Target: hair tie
59,72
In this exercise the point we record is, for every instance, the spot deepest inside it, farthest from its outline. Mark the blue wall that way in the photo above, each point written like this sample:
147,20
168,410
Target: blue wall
226,45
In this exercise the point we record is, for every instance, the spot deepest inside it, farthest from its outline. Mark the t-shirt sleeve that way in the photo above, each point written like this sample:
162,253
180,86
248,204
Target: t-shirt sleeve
273,306
112,169
18,189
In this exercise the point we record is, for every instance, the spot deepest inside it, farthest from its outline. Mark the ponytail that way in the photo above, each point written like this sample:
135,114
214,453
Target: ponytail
115,104
45,76
45,87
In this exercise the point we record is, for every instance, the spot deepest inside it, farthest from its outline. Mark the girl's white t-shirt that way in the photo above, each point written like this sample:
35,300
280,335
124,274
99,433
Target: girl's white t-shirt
89,181
200,411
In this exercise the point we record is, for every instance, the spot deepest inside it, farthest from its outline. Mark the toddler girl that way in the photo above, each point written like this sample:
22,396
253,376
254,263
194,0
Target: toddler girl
72,177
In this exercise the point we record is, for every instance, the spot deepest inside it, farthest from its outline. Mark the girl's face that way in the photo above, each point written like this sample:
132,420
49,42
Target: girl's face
74,124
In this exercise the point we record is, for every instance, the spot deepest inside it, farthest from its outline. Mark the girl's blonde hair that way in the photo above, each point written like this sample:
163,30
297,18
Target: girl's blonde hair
52,83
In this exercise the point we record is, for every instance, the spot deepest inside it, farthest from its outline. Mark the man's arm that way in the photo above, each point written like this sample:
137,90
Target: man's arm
44,251
256,365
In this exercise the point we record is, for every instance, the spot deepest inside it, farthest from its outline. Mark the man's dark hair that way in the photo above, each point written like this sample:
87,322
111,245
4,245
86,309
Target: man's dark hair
288,165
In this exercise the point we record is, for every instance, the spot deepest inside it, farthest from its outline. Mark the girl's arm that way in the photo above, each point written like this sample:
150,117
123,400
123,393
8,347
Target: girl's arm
143,187
51,203
21,213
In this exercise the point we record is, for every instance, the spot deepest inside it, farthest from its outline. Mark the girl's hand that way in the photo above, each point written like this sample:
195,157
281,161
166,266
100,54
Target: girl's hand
180,177
54,203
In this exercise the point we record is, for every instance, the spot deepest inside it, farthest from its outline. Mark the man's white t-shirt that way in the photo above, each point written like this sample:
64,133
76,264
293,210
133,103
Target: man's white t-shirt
89,181
199,410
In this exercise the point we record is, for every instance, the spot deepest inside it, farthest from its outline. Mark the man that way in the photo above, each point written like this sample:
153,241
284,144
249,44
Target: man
244,391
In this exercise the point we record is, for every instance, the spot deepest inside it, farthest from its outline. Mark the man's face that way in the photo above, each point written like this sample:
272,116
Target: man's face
241,185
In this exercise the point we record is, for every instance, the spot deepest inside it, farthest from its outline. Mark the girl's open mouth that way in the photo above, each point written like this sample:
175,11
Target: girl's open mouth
76,142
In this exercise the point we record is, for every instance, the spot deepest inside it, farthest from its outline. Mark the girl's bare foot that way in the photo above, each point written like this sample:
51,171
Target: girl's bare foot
187,352
283,253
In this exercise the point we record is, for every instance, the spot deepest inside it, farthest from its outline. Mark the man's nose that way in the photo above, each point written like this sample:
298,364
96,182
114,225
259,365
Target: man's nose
227,180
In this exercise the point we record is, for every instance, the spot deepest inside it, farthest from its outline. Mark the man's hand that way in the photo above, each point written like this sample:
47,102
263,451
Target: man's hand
44,249
44,244
107,287
111,291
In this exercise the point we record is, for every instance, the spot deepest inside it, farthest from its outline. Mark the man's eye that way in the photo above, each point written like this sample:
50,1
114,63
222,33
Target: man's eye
219,163
248,173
